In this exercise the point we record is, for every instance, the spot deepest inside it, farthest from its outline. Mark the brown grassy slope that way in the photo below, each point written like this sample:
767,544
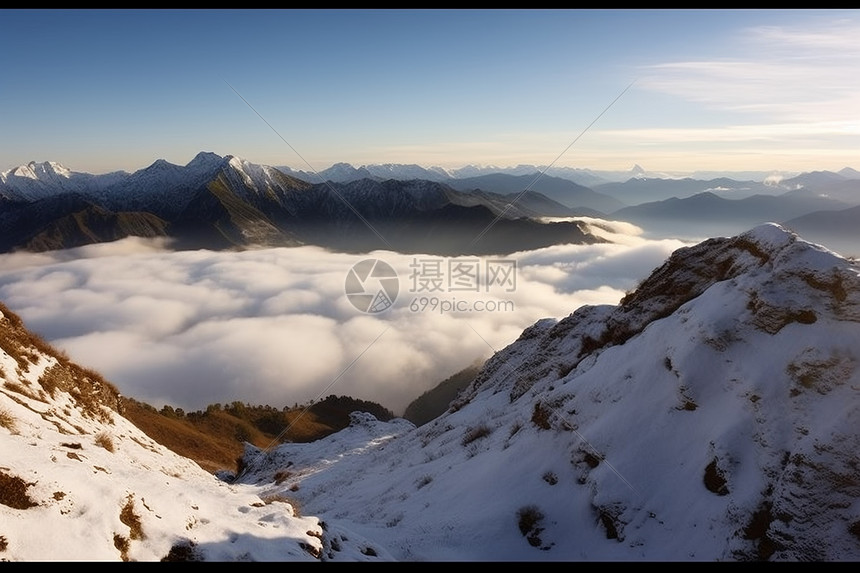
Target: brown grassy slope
215,437
211,451
94,396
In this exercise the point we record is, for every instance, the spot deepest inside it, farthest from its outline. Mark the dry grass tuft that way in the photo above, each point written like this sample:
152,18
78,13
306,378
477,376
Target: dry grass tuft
280,498
93,394
131,519
121,543
7,420
18,388
476,433
529,518
13,492
541,416
715,481
52,379
104,440
185,550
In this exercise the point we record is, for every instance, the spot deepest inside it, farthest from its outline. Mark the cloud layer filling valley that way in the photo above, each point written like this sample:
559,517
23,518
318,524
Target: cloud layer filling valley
274,326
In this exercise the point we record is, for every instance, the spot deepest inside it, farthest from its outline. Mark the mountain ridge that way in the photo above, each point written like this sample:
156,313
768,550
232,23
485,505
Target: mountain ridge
228,202
277,200
635,408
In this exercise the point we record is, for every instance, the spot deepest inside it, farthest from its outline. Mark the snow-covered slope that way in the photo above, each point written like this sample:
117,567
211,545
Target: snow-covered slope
713,415
35,181
80,482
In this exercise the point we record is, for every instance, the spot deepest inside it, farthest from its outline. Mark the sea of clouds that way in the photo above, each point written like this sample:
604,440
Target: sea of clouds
274,326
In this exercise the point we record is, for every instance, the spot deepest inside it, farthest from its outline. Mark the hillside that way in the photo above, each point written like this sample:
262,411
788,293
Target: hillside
712,415
215,437
435,401
78,473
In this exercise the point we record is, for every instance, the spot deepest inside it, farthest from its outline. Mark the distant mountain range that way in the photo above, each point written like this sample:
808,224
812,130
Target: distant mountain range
707,208
588,177
822,211
228,202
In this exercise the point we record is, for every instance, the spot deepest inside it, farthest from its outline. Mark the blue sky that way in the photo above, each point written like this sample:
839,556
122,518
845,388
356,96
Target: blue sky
711,89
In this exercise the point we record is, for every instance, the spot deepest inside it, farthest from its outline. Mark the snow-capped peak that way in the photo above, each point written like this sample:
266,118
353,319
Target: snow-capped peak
49,169
44,171
161,164
206,160
37,180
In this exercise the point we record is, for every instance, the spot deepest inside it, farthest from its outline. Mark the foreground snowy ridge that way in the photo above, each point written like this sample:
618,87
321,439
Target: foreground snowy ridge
80,482
714,414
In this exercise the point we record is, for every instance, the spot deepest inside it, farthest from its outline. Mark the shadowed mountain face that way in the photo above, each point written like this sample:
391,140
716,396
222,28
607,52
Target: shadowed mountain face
839,230
225,202
698,209
434,402
65,222
707,214
564,191
638,190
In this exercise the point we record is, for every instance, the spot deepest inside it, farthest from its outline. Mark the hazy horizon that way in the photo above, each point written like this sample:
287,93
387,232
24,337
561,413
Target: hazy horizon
544,169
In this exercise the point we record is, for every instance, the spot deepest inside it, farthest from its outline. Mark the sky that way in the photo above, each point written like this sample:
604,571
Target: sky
671,90
669,447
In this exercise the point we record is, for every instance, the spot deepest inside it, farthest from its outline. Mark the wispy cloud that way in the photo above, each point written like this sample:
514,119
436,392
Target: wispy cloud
775,132
776,96
790,94
787,75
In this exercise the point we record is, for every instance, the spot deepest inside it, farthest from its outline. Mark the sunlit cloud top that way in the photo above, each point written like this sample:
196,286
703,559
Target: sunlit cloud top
275,326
